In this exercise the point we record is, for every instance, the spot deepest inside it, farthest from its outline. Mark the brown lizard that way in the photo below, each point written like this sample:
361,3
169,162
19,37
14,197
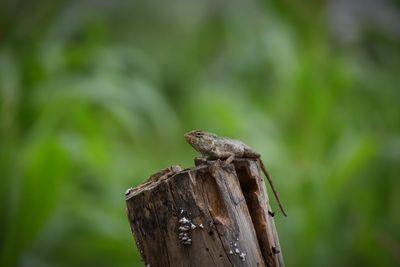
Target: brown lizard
213,146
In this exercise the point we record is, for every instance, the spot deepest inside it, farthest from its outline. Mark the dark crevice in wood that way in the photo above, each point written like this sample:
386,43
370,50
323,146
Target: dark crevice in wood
249,188
253,188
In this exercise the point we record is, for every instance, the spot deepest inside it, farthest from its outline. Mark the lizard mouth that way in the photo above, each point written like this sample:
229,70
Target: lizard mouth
187,136
193,136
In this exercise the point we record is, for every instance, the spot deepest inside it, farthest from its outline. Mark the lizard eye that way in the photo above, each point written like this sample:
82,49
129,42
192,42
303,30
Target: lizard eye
199,134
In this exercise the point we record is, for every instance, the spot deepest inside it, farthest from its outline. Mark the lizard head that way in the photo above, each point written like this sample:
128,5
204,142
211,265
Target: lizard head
200,140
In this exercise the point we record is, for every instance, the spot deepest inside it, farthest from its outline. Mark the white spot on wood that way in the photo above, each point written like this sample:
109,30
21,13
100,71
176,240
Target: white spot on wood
128,191
184,228
184,220
242,256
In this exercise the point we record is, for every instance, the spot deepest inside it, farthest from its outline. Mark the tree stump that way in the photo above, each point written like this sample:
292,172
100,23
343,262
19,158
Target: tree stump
214,214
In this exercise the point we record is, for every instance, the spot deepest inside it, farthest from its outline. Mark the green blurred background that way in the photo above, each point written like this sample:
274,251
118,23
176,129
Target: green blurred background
95,96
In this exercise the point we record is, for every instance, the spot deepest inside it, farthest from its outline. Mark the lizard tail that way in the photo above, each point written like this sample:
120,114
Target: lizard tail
272,185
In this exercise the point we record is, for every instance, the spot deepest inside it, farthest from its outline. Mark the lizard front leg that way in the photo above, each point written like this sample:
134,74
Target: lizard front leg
230,158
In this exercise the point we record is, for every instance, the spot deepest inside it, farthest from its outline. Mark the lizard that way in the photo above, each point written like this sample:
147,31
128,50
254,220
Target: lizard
213,146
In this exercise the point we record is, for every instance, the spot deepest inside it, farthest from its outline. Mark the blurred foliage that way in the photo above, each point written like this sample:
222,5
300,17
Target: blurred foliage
96,95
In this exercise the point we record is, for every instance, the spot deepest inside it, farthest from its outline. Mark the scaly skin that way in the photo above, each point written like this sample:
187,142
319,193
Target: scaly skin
213,146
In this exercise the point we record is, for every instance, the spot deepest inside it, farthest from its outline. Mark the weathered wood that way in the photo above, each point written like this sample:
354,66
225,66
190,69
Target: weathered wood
214,214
